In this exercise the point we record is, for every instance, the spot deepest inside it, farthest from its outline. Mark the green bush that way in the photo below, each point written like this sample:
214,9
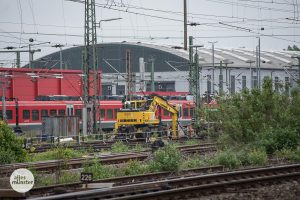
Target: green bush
69,177
292,155
11,149
194,161
228,159
57,153
276,139
257,157
260,119
119,147
138,148
100,171
7,156
134,167
166,159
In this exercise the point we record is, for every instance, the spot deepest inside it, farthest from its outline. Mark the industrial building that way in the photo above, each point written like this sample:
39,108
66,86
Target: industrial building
35,84
221,70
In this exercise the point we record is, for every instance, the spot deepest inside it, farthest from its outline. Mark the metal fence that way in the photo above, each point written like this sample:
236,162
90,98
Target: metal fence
60,126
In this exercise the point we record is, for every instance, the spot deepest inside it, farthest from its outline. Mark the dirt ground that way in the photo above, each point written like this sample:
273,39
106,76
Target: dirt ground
284,191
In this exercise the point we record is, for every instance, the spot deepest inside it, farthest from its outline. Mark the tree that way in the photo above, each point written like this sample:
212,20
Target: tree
293,48
11,149
261,118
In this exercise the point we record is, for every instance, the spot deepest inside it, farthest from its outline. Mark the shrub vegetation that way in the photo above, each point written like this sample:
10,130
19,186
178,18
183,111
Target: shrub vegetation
11,149
262,119
256,123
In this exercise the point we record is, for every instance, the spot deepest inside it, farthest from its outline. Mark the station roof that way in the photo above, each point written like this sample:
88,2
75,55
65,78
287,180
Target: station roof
112,57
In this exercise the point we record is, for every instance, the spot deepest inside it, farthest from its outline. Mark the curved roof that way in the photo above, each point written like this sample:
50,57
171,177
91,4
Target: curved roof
112,57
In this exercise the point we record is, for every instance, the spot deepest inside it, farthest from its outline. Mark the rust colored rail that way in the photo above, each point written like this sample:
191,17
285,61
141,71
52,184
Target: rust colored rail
189,187
125,180
52,165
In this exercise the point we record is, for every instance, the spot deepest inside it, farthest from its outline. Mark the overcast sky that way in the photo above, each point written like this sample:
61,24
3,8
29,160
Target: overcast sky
232,23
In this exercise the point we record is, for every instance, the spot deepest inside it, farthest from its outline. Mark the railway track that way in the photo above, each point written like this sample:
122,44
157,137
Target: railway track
190,186
118,181
114,158
53,165
95,145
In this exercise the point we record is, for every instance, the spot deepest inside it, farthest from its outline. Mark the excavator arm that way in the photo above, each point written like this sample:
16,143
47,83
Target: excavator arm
141,113
161,102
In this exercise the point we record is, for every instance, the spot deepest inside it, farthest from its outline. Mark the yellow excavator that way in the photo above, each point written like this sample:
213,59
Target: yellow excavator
140,116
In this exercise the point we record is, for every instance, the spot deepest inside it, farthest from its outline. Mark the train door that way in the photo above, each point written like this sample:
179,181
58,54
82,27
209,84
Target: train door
180,111
70,110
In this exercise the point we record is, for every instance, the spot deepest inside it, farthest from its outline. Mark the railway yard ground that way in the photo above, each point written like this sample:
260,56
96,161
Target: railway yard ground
183,169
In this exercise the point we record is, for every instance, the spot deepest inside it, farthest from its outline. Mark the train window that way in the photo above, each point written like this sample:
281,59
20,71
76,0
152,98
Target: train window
26,114
109,113
35,115
192,112
9,114
44,113
166,113
102,111
61,112
185,112
52,112
78,113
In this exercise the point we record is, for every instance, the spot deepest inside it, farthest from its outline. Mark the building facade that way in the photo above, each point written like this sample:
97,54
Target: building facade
164,68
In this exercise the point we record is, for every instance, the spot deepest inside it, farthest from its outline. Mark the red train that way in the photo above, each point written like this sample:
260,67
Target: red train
28,114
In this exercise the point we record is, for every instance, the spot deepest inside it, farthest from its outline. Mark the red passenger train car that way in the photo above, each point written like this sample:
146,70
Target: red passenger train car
28,114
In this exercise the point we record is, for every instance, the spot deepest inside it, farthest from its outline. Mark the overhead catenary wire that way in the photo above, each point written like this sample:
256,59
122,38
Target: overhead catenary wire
134,10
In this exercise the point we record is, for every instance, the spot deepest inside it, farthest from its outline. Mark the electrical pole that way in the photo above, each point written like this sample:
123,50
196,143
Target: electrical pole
194,77
130,84
298,58
18,60
191,61
213,64
4,117
90,54
259,79
221,79
60,55
152,75
30,53
185,24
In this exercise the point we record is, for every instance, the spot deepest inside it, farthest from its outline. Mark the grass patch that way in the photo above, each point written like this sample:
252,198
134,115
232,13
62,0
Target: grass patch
228,159
195,161
119,147
134,167
65,177
57,153
138,148
291,155
191,142
166,159
100,171
258,157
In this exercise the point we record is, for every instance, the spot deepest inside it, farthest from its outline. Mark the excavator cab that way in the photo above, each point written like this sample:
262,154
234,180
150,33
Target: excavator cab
139,116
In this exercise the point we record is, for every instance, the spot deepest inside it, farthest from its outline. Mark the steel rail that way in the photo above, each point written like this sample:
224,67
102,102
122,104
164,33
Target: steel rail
118,181
53,165
188,186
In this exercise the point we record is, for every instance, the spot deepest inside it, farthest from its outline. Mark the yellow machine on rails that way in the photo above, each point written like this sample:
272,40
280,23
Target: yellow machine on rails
139,116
